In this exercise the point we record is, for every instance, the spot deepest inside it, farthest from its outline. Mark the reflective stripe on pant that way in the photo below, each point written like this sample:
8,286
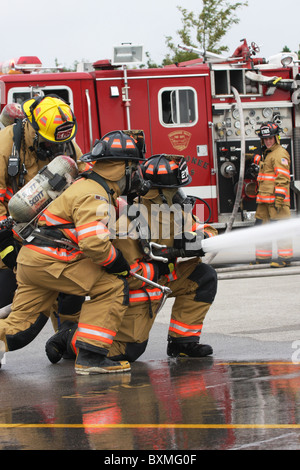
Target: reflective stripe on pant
38,289
266,213
194,290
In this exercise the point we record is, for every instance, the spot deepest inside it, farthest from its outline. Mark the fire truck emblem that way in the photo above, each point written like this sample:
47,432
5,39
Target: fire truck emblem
180,139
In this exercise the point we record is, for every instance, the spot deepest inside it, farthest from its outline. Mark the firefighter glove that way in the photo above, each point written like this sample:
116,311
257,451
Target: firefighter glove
278,203
8,248
119,266
257,159
163,268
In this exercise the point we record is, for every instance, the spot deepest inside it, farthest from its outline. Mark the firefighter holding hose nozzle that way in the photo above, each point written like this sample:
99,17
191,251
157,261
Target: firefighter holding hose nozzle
153,238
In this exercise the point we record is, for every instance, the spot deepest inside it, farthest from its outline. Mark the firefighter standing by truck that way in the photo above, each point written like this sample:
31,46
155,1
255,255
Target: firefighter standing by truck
273,194
26,147
193,283
90,266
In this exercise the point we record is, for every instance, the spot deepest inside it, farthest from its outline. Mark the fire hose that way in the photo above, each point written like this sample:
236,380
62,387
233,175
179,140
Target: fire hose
231,240
242,237
238,195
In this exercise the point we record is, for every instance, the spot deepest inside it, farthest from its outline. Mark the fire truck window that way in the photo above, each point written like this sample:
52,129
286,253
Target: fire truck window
178,107
166,107
186,106
19,97
63,94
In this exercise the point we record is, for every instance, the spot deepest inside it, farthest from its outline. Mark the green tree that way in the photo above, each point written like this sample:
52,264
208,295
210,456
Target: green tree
287,49
205,30
149,63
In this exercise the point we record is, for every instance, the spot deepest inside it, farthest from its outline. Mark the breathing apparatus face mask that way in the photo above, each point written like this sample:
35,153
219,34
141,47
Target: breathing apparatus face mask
135,183
47,150
182,199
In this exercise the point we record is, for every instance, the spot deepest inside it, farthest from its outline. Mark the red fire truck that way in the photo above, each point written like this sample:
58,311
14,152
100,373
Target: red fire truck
206,109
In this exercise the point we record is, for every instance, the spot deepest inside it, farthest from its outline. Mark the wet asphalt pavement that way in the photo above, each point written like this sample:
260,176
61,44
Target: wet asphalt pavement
244,397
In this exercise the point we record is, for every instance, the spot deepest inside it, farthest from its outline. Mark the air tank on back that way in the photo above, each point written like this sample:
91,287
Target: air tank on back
48,184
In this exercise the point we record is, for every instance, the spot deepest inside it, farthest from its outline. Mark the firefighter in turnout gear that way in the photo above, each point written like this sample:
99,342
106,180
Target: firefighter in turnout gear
193,283
273,194
71,252
48,130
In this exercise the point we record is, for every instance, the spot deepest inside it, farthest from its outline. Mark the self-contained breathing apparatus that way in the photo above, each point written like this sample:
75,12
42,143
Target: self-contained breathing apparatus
26,205
55,126
167,171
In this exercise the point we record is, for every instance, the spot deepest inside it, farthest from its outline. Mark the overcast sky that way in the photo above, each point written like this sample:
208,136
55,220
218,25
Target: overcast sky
72,30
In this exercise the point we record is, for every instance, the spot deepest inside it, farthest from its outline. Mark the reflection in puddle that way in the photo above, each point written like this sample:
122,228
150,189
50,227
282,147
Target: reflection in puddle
167,405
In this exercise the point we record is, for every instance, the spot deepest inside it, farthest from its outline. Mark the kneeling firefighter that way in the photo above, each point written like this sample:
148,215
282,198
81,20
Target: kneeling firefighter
193,283
71,252
48,129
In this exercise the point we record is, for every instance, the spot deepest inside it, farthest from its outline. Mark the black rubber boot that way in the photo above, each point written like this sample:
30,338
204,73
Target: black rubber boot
58,345
89,363
190,349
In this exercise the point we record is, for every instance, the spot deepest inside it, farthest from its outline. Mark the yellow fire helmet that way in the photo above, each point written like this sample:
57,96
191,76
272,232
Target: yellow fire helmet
51,117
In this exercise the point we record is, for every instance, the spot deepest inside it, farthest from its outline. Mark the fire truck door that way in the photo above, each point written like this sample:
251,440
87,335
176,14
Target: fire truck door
179,123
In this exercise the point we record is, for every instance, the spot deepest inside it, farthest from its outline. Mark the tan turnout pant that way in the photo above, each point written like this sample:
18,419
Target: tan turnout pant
38,288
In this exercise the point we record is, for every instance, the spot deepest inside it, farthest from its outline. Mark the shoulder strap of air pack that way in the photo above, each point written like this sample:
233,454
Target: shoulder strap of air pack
18,134
95,177
13,168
